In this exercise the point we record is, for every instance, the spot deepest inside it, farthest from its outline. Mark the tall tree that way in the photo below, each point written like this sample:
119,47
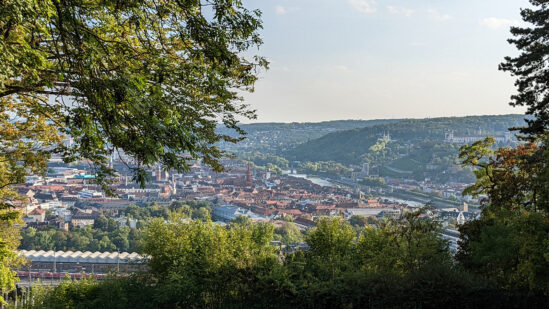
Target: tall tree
531,67
149,78
509,177
509,243
331,244
409,243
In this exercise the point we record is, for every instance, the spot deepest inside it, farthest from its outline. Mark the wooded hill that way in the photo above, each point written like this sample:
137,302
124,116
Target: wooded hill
416,150
356,145
279,137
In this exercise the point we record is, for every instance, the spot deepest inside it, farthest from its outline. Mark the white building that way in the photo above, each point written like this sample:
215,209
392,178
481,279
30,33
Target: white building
231,212
449,137
89,194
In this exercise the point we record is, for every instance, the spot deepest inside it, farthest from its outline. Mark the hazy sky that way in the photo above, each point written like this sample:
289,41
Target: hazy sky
365,59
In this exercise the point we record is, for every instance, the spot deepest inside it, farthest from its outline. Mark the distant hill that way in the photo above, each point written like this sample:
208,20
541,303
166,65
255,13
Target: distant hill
416,150
353,146
276,138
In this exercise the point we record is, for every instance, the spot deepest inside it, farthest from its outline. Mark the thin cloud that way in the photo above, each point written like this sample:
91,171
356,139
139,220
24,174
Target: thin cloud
496,23
341,68
280,10
436,15
364,6
400,10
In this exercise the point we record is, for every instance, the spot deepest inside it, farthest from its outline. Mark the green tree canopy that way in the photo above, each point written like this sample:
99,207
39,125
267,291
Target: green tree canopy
199,263
149,78
240,221
406,244
509,243
289,233
373,181
530,66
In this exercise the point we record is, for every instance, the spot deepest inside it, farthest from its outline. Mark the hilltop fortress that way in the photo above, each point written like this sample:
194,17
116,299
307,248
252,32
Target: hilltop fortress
449,137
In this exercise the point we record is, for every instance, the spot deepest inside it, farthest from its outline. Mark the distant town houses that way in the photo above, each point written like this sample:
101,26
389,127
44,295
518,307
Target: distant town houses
67,196
81,218
36,215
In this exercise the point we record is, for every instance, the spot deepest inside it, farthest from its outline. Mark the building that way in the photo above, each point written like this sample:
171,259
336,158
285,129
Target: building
90,194
449,137
453,237
460,218
385,138
90,262
81,219
365,172
228,213
37,215
249,181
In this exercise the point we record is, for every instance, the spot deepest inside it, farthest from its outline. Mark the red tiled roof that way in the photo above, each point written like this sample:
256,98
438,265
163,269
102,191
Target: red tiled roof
38,211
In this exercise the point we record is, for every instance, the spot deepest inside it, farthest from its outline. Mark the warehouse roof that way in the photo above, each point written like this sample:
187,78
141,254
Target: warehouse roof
81,257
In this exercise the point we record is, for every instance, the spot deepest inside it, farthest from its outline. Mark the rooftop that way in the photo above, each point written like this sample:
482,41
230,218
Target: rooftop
81,257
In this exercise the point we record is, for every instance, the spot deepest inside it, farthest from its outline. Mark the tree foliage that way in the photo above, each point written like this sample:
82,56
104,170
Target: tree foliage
404,245
9,259
200,264
509,242
289,233
403,263
509,176
148,78
530,66
108,234
322,167
373,181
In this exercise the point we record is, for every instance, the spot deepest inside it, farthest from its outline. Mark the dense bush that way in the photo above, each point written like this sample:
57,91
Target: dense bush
404,263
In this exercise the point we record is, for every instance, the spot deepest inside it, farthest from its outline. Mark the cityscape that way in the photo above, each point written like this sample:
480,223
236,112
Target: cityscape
274,154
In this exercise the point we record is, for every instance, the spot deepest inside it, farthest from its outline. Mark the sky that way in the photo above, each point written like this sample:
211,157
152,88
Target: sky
366,59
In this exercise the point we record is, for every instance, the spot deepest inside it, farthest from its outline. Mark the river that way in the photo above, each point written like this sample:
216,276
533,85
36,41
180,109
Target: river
326,183
313,179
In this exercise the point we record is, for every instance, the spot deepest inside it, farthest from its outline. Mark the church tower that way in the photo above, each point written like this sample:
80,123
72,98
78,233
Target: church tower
249,177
